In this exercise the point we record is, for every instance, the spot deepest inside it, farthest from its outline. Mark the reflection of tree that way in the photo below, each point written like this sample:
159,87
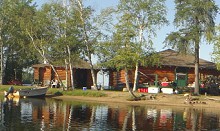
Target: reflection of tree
59,115
194,117
69,118
130,112
133,120
200,122
92,116
190,115
126,120
64,116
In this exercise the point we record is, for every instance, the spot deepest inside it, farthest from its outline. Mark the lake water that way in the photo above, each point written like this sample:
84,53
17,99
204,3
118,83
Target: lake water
57,115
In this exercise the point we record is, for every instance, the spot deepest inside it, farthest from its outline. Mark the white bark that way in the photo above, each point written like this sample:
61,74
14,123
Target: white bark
71,69
127,83
44,57
86,37
136,76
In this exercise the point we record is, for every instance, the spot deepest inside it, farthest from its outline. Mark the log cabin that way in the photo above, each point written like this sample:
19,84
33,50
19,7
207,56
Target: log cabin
173,67
44,74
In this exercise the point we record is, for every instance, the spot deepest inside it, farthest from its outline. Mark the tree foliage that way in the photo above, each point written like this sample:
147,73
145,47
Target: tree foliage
13,40
195,20
131,42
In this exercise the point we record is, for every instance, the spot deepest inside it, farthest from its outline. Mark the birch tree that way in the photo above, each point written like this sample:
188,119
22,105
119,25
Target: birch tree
89,33
41,31
54,36
146,17
131,43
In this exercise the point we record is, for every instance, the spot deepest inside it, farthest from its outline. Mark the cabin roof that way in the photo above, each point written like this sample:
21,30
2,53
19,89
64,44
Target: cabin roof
172,58
80,64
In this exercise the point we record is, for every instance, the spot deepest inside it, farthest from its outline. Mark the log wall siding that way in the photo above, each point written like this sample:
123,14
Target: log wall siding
48,74
165,71
62,74
191,76
149,74
111,78
36,74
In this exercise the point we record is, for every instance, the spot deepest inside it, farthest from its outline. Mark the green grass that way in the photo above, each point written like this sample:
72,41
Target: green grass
76,92
59,91
6,87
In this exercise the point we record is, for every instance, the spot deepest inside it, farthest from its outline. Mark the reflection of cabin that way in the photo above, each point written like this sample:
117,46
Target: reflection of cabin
44,74
176,67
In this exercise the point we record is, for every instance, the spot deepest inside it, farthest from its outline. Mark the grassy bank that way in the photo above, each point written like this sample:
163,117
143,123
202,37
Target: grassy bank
6,87
76,92
59,91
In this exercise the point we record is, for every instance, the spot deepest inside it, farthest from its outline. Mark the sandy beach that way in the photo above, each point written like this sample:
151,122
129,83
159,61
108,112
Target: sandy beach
160,99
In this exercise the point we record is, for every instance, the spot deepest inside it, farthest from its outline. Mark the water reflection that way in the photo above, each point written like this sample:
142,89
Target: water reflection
51,114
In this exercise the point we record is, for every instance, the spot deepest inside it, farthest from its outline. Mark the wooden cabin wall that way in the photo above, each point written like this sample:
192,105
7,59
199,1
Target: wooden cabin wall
191,76
36,74
62,74
112,77
61,71
117,78
47,76
148,74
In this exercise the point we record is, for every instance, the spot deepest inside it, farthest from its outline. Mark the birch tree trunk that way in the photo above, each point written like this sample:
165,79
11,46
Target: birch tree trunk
136,79
127,83
136,76
71,69
66,66
43,56
86,40
93,74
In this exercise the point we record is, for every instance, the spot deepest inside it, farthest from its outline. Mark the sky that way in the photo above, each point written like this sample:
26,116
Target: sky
205,49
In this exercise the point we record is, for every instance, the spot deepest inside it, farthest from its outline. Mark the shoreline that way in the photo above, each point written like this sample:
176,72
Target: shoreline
172,100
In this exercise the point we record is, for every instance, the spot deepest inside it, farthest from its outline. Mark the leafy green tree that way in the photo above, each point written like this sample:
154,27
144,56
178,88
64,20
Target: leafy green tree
53,35
132,41
65,48
88,33
14,54
147,16
41,32
216,48
195,20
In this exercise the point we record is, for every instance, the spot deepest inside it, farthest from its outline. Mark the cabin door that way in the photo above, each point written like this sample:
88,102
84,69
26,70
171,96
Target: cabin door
41,75
181,77
81,78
